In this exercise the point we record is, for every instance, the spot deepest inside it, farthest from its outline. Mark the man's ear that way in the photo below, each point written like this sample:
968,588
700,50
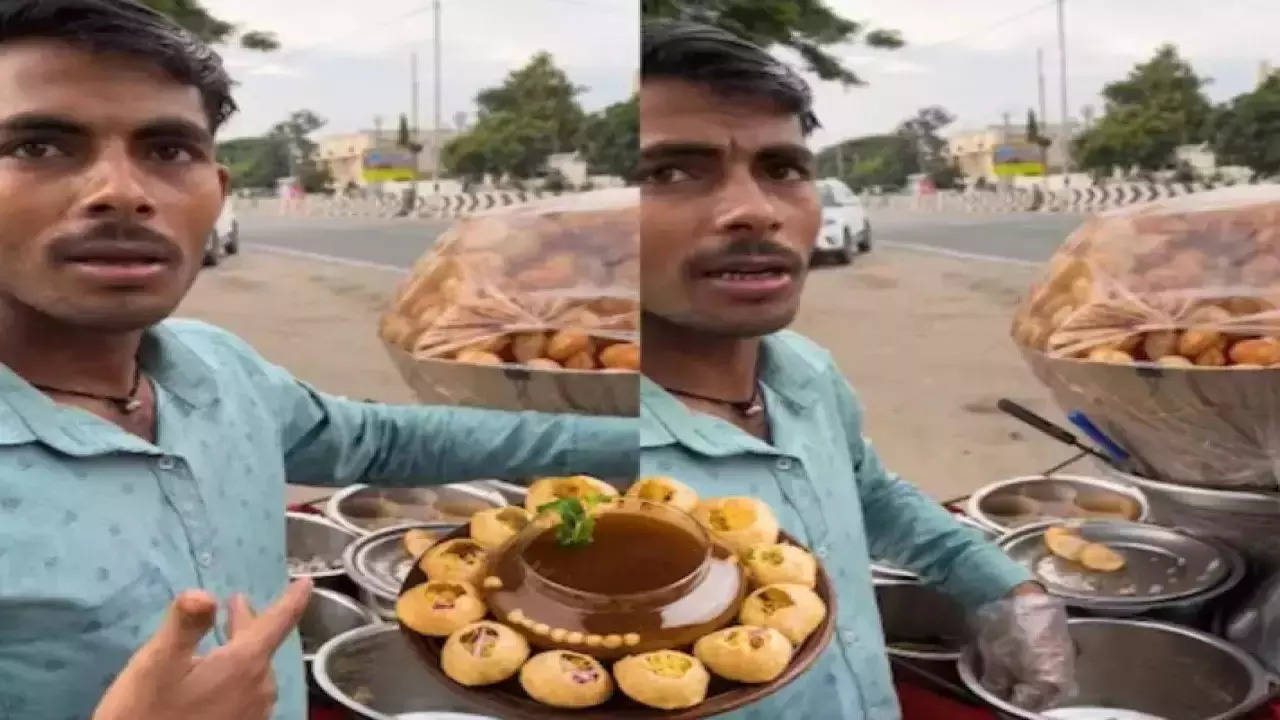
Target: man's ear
224,179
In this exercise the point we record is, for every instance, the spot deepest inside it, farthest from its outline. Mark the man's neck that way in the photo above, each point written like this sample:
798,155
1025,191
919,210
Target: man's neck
43,351
697,362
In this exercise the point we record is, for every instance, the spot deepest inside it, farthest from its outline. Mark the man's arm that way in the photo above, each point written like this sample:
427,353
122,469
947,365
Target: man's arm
335,441
910,529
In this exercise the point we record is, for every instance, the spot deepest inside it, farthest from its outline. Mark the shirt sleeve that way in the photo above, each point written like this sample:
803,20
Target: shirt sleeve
910,529
329,440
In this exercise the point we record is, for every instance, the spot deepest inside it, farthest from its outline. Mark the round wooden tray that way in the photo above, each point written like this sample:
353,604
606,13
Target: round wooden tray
508,700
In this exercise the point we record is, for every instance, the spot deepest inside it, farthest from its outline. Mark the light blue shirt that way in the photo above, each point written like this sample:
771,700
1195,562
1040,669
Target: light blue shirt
828,488
99,529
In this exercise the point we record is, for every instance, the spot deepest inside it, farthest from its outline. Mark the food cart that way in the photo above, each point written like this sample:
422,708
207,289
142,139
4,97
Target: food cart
1156,330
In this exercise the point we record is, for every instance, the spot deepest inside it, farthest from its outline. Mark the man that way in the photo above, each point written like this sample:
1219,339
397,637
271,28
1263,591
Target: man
141,458
735,406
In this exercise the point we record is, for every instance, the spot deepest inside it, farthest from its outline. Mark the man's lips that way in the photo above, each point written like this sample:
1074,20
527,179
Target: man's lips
749,278
118,254
748,265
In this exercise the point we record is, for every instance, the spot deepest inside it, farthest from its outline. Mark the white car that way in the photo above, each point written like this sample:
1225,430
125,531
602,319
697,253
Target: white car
224,239
846,231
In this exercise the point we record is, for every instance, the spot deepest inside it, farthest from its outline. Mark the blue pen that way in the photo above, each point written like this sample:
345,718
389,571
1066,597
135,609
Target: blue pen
1081,421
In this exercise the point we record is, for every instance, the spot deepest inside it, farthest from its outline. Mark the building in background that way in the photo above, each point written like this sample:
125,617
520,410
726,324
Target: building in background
372,157
1001,151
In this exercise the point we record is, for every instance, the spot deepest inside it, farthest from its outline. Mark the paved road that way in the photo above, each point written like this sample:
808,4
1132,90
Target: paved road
396,243
1018,238
1024,237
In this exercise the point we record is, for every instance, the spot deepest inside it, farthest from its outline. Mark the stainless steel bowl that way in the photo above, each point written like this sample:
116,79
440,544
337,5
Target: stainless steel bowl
1249,521
363,509
1166,671
884,569
920,623
311,538
375,672
1023,487
378,563
328,615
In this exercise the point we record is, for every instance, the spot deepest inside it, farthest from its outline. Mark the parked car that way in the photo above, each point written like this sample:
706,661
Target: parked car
846,231
224,239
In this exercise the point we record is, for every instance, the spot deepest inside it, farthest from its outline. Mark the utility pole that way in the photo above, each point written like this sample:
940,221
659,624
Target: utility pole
435,129
840,161
413,80
1064,132
411,192
1044,113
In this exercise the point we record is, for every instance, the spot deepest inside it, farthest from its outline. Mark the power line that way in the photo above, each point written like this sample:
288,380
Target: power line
984,29
288,51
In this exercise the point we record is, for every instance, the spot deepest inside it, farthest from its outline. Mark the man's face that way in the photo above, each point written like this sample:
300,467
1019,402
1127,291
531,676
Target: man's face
108,186
729,213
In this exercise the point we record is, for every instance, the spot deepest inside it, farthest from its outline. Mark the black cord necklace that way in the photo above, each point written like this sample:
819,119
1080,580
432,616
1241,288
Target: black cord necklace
127,404
746,408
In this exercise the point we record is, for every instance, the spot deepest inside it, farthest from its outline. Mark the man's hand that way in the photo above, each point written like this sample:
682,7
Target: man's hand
1027,654
165,680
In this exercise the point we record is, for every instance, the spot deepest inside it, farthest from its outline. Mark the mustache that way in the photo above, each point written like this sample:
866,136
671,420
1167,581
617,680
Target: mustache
756,246
113,238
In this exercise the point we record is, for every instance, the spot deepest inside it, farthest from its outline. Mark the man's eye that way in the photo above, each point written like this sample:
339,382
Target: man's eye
666,175
172,154
36,151
787,172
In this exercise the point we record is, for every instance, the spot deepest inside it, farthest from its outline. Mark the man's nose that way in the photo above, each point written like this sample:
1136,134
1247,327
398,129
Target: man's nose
115,190
745,206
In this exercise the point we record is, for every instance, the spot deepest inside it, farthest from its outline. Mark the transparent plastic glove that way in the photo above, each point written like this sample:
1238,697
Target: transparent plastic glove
1027,654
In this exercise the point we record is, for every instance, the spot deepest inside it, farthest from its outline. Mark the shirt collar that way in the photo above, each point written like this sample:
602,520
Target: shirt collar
789,375
27,414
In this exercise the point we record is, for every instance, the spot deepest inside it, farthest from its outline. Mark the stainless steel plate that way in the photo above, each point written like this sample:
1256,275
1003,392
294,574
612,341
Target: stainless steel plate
375,672
378,562
1011,504
364,509
1160,564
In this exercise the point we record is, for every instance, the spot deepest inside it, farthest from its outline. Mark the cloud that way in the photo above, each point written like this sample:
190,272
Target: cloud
350,68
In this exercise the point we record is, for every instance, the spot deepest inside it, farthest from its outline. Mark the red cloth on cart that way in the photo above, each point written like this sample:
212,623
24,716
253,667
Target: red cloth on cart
921,704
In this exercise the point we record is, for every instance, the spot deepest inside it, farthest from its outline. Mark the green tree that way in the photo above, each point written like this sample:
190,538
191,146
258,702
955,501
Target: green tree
193,16
1035,137
874,161
1247,130
809,27
285,150
405,139
254,162
1159,106
611,139
533,114
922,133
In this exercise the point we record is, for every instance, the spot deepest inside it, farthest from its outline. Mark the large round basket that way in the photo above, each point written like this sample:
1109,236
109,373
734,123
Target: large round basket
509,701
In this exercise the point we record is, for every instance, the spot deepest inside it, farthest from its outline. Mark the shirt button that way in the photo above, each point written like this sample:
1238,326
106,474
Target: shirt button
205,559
784,464
849,636
166,463
821,551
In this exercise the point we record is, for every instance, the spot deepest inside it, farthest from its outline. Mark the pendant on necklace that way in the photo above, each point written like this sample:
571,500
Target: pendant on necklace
753,409
130,406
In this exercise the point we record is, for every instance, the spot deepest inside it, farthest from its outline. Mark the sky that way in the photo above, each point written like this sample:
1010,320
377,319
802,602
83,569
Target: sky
977,58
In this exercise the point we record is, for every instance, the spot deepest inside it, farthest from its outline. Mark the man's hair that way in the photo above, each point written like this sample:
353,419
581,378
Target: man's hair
125,27
723,62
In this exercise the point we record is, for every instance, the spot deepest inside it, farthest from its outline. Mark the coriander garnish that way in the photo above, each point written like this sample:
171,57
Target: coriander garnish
576,522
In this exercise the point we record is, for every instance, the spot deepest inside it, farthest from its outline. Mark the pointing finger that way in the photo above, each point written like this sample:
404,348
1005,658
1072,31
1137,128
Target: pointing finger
273,625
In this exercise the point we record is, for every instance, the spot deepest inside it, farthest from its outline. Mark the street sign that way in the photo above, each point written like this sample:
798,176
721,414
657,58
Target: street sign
1017,158
380,166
